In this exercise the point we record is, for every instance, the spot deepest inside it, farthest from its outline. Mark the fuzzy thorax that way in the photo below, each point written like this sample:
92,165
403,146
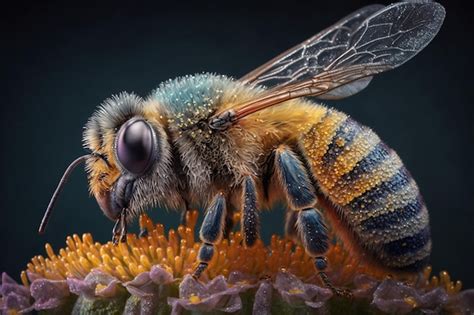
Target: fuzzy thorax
195,161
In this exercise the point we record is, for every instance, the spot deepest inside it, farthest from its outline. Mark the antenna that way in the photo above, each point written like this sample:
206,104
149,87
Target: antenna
58,190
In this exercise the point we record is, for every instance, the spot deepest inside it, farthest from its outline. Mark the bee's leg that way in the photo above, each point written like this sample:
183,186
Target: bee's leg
116,231
300,192
291,231
313,233
123,228
249,220
143,232
184,212
119,231
315,240
229,222
211,232
182,217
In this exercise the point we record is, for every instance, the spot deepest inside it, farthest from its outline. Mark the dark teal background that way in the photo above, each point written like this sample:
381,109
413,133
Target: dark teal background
59,62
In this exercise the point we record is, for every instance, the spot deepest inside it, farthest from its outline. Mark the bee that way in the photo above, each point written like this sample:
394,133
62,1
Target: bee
230,145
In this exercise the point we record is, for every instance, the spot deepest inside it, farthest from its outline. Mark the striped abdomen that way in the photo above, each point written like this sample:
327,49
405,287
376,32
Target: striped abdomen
378,198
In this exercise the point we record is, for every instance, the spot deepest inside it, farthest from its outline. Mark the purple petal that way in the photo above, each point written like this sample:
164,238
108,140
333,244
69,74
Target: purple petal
14,301
96,284
48,294
237,277
110,283
294,291
190,286
391,295
317,296
141,286
290,288
365,286
150,288
263,299
160,276
433,301
9,286
286,281
15,296
215,295
463,301
80,287
217,285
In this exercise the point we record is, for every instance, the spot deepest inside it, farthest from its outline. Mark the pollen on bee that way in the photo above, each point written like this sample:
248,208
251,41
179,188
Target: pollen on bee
340,142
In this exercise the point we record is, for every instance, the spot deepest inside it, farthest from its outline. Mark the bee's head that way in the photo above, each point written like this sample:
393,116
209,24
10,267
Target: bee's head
129,164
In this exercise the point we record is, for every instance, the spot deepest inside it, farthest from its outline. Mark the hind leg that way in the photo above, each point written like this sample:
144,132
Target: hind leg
314,237
301,196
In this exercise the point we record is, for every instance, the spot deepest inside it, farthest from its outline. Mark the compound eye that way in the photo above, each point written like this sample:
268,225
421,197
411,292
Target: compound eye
135,146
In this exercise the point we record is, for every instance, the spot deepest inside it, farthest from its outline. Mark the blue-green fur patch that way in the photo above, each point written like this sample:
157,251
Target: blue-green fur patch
192,93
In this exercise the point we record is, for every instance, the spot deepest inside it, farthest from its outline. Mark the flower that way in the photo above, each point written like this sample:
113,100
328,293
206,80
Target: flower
15,297
217,294
151,274
294,291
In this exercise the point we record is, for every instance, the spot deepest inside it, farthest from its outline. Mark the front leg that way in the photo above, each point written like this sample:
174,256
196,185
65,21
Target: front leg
301,196
211,232
119,232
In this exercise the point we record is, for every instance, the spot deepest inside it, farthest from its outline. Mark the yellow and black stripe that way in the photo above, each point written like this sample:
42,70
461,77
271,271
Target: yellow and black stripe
367,180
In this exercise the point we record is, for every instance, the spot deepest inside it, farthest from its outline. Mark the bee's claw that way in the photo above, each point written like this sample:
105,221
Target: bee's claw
119,232
115,230
343,292
115,240
143,232
123,226
199,269
182,219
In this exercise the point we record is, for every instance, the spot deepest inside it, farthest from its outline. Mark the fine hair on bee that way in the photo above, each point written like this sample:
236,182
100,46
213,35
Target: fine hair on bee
227,145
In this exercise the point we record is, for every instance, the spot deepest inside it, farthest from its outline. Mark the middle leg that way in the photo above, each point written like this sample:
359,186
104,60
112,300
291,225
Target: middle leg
250,220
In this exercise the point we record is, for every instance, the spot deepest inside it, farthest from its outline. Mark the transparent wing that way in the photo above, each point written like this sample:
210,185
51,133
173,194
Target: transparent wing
385,40
311,56
372,35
